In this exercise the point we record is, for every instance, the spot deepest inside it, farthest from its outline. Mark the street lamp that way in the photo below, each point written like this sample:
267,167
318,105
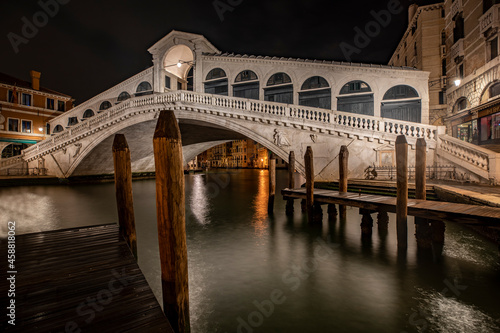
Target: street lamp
457,82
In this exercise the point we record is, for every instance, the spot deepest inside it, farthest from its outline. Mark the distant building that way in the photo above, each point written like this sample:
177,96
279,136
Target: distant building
423,46
473,65
238,154
25,110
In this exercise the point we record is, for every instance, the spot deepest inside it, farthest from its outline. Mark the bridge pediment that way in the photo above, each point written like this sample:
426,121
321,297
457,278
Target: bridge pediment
195,42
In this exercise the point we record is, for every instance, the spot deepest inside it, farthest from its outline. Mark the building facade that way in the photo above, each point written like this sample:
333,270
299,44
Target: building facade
25,111
473,64
423,46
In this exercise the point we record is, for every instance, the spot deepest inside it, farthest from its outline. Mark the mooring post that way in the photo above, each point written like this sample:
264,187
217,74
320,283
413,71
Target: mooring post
123,187
291,181
308,161
170,211
422,226
402,191
343,168
332,212
272,185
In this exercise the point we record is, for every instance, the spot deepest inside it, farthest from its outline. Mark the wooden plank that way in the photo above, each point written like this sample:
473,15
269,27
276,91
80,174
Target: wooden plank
86,277
437,210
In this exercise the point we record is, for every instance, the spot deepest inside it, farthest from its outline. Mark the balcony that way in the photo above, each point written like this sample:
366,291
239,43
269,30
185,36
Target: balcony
456,7
457,50
490,19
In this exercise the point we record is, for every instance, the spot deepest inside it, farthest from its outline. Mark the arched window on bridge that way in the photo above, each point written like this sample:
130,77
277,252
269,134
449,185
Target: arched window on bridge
316,92
402,103
190,79
88,113
279,89
104,106
246,85
123,96
57,129
14,149
72,121
144,88
356,97
216,82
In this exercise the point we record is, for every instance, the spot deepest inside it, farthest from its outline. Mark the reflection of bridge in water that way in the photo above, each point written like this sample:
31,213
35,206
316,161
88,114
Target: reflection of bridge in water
377,102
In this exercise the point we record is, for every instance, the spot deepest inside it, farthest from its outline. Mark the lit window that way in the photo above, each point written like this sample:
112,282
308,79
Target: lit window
26,126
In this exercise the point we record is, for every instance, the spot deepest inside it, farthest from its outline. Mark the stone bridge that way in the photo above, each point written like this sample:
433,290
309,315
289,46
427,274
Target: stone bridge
195,80
207,120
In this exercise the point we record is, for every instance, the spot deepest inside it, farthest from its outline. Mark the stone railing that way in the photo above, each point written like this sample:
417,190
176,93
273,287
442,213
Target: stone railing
457,50
8,162
328,120
483,162
456,7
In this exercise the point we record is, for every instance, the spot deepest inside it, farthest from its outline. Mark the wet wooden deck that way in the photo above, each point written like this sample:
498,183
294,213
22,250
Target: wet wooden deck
435,210
82,280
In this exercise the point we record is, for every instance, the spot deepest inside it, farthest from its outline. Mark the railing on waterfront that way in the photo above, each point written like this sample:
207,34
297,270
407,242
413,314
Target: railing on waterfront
24,172
443,172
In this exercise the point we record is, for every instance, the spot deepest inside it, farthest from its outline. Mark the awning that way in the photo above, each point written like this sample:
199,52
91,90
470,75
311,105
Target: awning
28,142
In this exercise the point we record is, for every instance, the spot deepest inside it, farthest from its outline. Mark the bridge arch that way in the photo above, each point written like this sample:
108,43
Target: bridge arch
143,124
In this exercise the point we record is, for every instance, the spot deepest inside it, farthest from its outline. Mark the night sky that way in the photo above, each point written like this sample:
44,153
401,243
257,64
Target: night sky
89,46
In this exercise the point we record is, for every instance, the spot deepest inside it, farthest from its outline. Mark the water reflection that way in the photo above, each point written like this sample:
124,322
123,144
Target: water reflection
259,220
199,200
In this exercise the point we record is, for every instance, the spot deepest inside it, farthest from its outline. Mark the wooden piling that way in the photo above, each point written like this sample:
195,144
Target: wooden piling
272,185
308,161
343,168
420,166
366,222
170,211
402,191
291,182
123,187
422,227
332,212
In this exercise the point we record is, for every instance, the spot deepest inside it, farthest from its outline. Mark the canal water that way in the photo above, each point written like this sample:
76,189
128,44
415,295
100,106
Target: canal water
250,272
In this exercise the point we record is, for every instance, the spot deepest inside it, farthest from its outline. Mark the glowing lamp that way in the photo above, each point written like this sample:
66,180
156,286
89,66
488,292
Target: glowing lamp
457,82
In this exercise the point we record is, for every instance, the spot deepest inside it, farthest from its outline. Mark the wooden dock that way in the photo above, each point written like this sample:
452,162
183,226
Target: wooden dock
434,210
82,280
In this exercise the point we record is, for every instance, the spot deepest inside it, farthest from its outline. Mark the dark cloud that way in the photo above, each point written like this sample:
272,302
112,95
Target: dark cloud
91,45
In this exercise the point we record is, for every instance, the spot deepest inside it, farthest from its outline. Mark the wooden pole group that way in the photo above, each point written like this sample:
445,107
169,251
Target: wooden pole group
170,205
123,186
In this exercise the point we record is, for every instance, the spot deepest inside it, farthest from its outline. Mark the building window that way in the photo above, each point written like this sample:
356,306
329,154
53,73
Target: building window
443,67
406,61
167,81
415,48
487,4
460,105
246,85
443,37
47,130
459,28
316,92
13,125
88,113
442,97
279,89
61,106
12,97
216,82
495,90
14,149
26,99
26,126
50,103
493,48
104,106
460,71
190,79
144,88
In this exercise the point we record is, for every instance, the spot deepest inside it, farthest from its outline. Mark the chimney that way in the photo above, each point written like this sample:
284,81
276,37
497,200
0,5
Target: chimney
411,12
35,80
